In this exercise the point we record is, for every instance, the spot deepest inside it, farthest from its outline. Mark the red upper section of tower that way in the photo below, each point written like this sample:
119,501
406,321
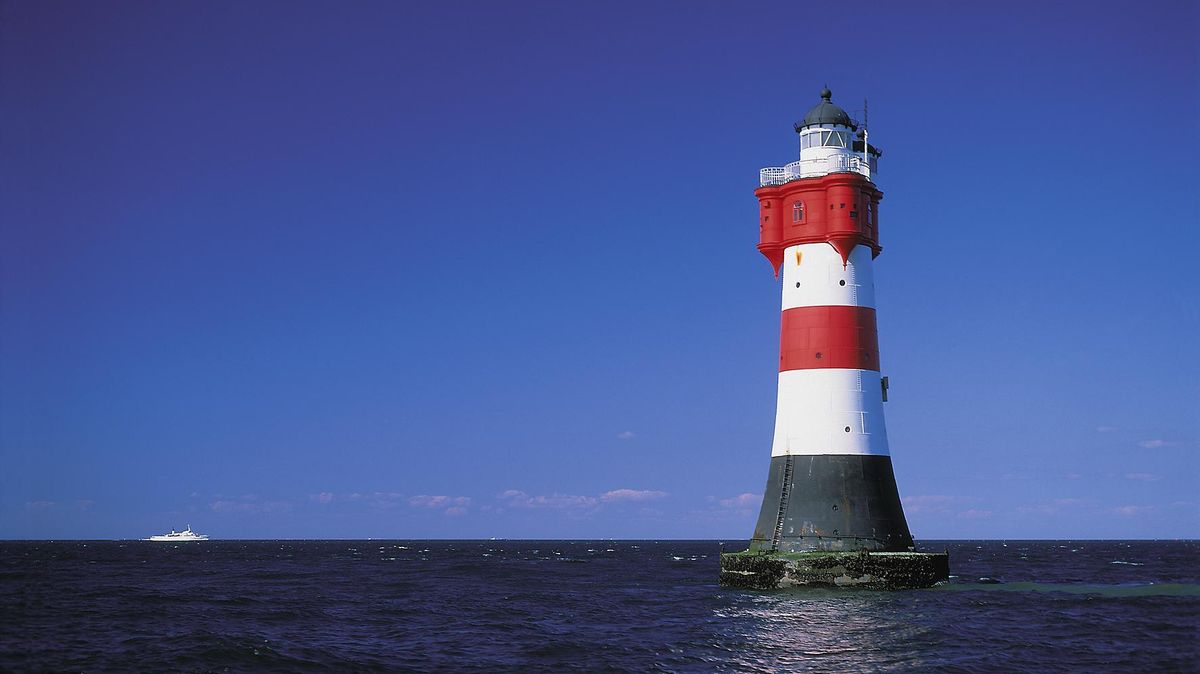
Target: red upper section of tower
841,209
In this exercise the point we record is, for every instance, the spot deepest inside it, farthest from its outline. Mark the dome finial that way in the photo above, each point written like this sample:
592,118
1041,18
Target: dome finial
825,112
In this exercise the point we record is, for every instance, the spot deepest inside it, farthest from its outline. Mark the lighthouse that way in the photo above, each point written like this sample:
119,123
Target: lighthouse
831,512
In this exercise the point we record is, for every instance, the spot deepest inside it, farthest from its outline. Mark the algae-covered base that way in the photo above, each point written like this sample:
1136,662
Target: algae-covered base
878,570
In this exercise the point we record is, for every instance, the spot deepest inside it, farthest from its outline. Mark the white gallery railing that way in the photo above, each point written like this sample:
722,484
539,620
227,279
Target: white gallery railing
808,168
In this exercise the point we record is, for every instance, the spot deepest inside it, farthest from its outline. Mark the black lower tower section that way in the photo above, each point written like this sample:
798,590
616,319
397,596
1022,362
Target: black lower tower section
831,503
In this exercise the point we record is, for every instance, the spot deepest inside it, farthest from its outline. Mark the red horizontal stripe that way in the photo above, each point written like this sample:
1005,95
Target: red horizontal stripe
835,337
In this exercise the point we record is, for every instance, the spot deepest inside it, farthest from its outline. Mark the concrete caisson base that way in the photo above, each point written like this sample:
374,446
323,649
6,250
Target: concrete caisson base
877,570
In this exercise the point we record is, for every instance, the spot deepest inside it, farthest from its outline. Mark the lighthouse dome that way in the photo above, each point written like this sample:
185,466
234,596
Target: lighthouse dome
826,112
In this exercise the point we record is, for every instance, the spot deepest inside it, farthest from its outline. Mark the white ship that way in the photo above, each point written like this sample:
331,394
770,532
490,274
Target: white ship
179,536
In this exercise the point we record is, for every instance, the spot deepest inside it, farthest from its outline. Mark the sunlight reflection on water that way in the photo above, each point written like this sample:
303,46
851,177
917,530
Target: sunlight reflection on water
827,630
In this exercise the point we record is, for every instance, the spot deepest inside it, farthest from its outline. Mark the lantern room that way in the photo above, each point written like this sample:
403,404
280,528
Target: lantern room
830,142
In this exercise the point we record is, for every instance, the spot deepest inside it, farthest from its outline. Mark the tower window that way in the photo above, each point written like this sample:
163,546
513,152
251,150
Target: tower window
833,138
823,138
798,211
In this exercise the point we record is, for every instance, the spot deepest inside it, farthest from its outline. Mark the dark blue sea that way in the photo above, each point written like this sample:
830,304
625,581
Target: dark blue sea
602,606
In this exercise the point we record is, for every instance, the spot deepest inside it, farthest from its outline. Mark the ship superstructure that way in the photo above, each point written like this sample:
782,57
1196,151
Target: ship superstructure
179,536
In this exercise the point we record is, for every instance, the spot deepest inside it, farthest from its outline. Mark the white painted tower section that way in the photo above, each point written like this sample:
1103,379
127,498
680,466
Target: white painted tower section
816,406
813,277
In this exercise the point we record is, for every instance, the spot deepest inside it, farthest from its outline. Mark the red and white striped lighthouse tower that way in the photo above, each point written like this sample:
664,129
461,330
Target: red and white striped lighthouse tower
831,485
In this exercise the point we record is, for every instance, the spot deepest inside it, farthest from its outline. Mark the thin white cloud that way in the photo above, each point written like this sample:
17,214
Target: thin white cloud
516,498
1153,444
1142,477
377,496
731,508
741,501
1107,429
945,506
1133,510
391,499
929,503
375,499
248,503
439,501
631,495
47,505
626,435
1054,506
563,501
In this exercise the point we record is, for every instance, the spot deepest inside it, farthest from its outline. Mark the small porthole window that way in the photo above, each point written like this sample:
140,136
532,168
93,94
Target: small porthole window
818,356
835,506
842,282
797,284
847,429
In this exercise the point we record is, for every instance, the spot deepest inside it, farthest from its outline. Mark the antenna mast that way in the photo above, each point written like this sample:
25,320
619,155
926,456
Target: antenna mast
866,159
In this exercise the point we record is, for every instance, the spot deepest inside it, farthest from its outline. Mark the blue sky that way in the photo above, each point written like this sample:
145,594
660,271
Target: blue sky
481,269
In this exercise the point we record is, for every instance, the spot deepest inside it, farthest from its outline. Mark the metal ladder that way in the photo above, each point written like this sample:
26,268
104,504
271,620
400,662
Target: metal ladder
784,493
